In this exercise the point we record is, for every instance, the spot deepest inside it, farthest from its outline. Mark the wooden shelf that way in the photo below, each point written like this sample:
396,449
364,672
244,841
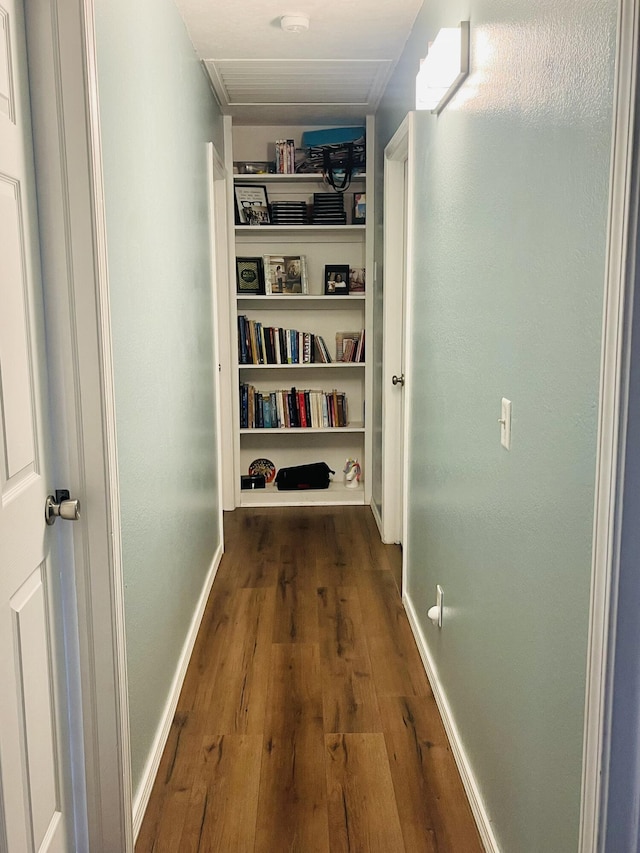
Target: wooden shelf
278,432
337,493
254,231
340,365
301,300
272,178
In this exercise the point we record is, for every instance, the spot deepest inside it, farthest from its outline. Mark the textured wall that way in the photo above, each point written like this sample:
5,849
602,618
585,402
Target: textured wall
511,202
157,114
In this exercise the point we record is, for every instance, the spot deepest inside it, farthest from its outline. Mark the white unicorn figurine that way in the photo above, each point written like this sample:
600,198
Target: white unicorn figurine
352,473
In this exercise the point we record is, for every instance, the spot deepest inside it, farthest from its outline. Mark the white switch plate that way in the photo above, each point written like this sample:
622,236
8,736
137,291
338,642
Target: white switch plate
505,424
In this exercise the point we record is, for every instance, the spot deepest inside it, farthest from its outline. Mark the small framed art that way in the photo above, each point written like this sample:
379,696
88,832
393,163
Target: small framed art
249,276
336,280
286,274
356,279
252,205
359,208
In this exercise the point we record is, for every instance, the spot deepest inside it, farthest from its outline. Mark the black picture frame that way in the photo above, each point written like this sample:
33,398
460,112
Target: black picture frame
250,277
252,204
336,280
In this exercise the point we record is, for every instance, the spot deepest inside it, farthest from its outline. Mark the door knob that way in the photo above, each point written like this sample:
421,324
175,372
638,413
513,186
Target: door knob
398,380
61,506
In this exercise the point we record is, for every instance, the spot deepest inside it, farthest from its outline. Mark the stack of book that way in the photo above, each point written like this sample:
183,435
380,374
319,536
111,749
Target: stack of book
258,344
289,213
285,156
292,409
350,346
328,209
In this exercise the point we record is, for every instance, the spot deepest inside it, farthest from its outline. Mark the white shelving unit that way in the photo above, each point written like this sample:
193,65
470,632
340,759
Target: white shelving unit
313,312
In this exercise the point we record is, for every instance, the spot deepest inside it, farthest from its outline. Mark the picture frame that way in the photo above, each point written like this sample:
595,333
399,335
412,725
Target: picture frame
359,208
357,279
250,276
336,280
285,274
252,204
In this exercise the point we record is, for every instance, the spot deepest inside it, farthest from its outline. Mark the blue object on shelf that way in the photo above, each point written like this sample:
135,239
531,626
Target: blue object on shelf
332,136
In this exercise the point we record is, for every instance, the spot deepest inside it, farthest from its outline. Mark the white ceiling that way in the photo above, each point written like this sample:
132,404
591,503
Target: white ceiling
333,73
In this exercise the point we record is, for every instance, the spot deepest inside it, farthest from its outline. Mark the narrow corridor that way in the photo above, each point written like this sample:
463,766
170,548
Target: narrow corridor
306,722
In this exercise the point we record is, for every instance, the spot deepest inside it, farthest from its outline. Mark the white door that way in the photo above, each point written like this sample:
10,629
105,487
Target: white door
34,762
397,241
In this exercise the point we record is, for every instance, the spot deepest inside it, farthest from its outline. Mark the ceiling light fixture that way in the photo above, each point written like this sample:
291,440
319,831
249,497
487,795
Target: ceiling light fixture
444,69
294,23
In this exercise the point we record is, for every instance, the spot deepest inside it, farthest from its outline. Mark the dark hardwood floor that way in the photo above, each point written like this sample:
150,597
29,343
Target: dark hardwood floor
306,723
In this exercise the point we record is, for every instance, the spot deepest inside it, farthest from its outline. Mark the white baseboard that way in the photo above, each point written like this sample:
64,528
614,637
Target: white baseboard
377,516
464,767
141,798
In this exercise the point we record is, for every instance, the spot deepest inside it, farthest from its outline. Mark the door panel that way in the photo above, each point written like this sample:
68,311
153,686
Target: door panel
15,377
34,769
33,673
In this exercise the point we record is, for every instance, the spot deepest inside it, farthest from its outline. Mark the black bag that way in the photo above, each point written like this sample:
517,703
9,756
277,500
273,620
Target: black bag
337,162
314,476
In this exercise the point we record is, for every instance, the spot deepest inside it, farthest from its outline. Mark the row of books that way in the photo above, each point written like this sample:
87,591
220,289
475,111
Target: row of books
292,408
259,344
350,346
285,156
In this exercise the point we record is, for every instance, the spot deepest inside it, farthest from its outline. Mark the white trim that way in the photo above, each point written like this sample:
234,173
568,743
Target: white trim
471,787
377,517
62,70
408,328
141,799
607,471
398,239
217,176
370,266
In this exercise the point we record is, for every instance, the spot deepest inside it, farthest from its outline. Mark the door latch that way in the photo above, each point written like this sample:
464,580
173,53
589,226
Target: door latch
61,506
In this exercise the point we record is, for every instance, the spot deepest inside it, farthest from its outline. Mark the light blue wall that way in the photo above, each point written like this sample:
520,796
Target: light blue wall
510,215
157,114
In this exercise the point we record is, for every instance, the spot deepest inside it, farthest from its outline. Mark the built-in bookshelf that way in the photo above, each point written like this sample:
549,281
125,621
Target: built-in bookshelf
309,317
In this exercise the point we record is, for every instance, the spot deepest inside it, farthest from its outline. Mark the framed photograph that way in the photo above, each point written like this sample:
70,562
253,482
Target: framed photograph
336,280
359,208
286,274
249,276
252,205
356,279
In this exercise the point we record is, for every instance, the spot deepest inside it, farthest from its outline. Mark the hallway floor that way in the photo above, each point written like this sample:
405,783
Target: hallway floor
306,723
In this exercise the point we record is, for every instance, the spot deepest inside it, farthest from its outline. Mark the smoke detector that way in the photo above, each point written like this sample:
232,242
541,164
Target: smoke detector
294,23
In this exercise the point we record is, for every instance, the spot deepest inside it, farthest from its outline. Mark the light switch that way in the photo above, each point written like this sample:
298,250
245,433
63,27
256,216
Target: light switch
505,424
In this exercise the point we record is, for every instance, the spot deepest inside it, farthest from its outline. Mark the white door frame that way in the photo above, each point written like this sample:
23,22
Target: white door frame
398,249
219,251
611,424
62,69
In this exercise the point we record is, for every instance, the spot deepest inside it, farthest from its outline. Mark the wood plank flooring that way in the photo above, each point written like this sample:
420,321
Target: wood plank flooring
306,723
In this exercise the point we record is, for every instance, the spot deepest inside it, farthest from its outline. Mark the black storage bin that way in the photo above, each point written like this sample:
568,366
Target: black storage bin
314,476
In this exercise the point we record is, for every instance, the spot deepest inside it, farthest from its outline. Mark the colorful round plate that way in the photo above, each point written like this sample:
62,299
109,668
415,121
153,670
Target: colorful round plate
264,467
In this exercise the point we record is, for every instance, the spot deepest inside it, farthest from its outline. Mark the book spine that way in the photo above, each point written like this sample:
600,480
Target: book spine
251,408
307,408
243,404
242,346
275,416
302,409
262,348
276,346
291,402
